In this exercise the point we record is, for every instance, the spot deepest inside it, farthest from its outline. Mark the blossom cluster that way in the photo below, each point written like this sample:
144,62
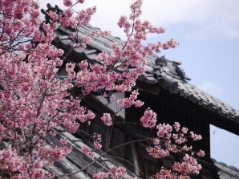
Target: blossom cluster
82,19
131,100
149,119
107,119
165,173
188,166
33,102
17,23
118,71
169,139
97,141
117,172
87,151
114,173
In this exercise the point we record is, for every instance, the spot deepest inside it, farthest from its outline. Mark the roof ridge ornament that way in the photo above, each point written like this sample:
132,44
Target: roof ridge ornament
56,9
181,73
161,61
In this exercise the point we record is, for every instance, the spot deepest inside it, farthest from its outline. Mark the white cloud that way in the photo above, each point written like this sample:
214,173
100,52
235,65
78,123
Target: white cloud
214,16
213,89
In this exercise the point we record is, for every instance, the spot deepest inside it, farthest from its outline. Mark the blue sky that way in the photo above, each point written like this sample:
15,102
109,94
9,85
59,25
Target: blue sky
208,33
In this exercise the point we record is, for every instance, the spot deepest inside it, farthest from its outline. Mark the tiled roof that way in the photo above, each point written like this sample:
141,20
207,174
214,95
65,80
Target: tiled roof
168,74
226,171
77,160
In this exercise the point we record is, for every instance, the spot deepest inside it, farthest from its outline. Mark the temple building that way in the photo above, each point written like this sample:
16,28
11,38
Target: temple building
167,90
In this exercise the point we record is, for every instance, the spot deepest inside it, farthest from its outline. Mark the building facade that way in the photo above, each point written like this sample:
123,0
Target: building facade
167,90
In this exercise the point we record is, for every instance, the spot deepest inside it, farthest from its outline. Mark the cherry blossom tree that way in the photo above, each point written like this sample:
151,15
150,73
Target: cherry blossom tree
33,101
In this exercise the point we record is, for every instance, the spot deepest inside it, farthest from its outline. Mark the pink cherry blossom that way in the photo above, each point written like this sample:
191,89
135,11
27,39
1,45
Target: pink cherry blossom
189,166
34,102
149,119
67,3
195,137
106,118
87,151
176,126
163,130
97,145
64,141
100,175
184,130
117,172
201,153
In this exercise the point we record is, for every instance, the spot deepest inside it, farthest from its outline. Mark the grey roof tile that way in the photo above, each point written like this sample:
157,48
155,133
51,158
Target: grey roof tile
226,171
150,80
